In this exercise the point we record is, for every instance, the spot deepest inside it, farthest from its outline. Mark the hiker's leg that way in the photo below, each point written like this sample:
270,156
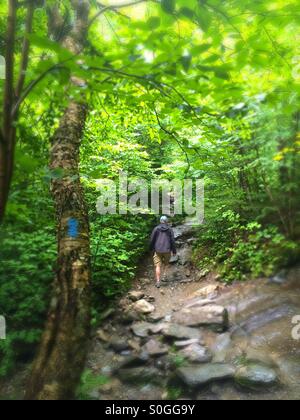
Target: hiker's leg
166,264
158,273
158,264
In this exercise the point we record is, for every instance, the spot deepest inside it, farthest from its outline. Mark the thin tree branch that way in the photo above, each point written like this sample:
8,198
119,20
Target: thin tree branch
25,49
32,85
173,135
116,7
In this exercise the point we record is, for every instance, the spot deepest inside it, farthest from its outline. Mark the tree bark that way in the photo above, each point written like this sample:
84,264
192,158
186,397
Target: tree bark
62,353
7,131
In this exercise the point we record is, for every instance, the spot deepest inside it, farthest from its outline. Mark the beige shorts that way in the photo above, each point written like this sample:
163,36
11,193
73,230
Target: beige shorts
161,259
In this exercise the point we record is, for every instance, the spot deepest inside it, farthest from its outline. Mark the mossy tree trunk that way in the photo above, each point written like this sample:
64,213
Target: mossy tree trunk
62,353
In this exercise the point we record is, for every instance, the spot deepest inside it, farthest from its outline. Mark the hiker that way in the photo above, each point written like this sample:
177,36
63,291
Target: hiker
163,246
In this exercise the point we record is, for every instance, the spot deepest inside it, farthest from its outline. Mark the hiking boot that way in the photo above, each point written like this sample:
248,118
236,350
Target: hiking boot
158,285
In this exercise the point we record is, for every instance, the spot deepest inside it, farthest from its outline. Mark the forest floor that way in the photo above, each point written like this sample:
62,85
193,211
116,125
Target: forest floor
195,338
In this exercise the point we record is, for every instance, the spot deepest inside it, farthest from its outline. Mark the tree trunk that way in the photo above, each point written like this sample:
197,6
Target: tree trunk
62,353
6,137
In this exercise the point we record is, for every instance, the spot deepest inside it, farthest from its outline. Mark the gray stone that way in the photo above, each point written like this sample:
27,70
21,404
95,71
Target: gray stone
140,375
194,376
155,317
212,316
141,329
132,362
180,332
185,343
221,347
143,307
196,354
119,345
155,348
254,376
174,260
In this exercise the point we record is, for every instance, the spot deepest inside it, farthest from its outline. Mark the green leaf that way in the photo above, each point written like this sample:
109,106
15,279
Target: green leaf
187,12
168,6
203,17
153,22
186,61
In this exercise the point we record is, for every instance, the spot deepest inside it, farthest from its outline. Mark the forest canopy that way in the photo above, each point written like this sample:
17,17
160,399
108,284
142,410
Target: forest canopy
159,89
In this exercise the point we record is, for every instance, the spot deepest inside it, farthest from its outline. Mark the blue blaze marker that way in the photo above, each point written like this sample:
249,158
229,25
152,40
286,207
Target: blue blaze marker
73,228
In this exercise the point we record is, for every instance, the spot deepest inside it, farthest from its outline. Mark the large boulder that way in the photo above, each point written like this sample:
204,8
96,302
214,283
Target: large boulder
180,332
143,307
194,376
213,316
256,376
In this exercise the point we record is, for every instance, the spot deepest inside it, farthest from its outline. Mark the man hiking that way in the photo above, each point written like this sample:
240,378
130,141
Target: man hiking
163,245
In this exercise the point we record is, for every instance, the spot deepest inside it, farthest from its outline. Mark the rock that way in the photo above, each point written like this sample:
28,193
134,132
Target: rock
280,278
143,307
185,256
150,299
188,273
185,343
128,317
180,332
157,328
164,363
141,329
206,292
145,281
156,317
123,303
196,354
126,353
155,348
134,345
119,345
221,347
135,295
140,375
102,336
255,376
94,395
174,260
112,386
132,362
199,302
213,316
107,314
194,376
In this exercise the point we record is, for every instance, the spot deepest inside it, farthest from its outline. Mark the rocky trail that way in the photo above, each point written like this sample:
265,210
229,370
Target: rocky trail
195,338
198,338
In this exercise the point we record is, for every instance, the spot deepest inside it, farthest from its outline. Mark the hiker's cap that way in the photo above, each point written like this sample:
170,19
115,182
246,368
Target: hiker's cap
164,219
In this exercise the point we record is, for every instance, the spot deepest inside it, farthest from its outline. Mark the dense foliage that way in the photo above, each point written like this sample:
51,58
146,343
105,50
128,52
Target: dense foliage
205,89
